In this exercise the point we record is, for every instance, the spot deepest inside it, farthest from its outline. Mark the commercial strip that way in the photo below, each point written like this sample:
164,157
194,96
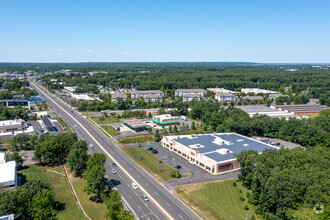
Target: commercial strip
84,97
48,124
213,152
116,113
165,120
135,124
301,109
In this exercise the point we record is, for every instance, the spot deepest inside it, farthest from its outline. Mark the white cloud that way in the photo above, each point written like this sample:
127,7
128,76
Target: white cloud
90,51
60,49
126,53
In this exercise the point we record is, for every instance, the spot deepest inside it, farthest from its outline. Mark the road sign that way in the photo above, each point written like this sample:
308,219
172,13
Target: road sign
160,164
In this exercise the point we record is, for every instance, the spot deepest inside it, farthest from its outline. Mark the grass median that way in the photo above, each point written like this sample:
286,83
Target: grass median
105,120
216,200
136,139
151,164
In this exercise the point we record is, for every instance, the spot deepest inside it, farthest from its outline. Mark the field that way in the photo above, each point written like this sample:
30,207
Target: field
216,200
63,192
60,186
136,139
107,120
151,164
110,130
94,210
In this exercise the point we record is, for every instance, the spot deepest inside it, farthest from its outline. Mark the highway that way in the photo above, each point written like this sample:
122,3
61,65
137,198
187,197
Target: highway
162,205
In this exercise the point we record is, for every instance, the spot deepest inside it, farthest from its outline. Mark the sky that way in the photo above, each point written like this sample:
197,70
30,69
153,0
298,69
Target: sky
266,31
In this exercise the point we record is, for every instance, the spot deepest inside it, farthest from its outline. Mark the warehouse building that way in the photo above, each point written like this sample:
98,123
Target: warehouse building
8,174
165,120
213,152
304,109
264,110
257,91
11,125
222,90
135,124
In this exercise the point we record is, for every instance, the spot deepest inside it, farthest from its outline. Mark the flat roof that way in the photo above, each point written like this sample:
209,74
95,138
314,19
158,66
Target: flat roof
3,157
220,147
8,173
11,122
302,108
190,90
147,91
134,123
47,122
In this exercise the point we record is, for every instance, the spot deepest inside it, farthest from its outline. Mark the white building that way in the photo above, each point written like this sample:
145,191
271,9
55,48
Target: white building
84,97
182,92
222,97
8,174
71,89
148,95
264,110
222,90
190,97
213,152
257,91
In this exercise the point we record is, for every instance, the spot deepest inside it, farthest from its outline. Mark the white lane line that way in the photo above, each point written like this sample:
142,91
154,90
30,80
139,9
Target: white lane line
107,153
156,193
138,176
139,207
180,216
168,204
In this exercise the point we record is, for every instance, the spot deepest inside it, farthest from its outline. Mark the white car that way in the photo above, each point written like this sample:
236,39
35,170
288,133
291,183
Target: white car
91,145
113,171
145,198
134,186
75,126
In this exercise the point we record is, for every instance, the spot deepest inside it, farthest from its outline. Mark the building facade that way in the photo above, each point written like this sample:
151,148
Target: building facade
224,97
165,120
148,95
182,92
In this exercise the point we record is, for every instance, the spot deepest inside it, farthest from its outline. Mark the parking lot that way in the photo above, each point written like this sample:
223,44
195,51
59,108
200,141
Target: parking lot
197,173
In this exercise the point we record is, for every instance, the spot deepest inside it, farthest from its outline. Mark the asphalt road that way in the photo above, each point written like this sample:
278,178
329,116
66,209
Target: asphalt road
162,205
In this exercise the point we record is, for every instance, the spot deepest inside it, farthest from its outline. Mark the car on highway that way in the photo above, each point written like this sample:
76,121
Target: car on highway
154,151
113,171
134,186
145,198
91,145
113,164
75,126
150,149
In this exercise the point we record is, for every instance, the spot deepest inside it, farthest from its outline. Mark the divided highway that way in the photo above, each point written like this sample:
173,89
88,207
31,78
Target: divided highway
162,205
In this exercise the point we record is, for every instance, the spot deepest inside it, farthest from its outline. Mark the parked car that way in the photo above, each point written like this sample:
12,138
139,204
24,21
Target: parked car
113,164
113,171
145,198
154,151
134,186
150,149
177,167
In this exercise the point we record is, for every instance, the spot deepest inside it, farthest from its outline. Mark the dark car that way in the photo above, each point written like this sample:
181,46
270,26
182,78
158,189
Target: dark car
113,164
150,149
154,151
177,167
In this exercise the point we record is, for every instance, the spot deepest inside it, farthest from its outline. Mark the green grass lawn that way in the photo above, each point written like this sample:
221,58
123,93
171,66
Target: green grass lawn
216,200
107,120
151,164
136,139
93,209
110,130
60,187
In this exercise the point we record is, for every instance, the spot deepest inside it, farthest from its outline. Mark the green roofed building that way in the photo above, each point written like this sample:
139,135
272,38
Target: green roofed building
165,120
135,124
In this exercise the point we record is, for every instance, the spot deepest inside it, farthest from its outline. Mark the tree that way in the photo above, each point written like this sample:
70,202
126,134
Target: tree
149,130
43,205
77,160
95,180
80,145
170,128
175,173
158,137
175,129
193,126
15,156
